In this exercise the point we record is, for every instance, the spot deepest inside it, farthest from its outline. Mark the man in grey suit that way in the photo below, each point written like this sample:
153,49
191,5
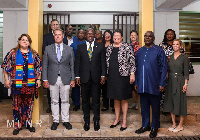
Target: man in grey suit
58,76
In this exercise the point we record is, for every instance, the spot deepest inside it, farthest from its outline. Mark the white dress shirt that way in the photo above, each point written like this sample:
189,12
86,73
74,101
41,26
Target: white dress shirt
88,45
70,41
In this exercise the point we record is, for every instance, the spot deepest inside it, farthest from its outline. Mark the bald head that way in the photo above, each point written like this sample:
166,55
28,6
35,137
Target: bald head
149,39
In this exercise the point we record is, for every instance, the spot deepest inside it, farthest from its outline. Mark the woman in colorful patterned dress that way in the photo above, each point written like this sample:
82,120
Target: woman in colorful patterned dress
23,65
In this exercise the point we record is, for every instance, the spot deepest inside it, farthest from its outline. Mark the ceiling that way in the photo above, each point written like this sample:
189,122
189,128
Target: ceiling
7,4
159,4
172,4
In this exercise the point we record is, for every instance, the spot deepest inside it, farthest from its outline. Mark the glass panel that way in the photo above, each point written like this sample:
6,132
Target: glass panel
1,24
1,35
1,30
1,19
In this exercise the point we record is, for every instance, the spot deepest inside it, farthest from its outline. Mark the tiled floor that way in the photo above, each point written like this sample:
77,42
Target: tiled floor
191,125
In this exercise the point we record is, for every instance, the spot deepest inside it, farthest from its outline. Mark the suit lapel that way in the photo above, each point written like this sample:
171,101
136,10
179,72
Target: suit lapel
63,52
95,47
54,52
85,51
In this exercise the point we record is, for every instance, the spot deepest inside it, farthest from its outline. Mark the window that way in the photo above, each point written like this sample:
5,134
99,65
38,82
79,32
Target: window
189,33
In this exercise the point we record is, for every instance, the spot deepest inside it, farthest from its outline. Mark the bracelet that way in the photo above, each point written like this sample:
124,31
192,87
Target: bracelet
132,73
186,84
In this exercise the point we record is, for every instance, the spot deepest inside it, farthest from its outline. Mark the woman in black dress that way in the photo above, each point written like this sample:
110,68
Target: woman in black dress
107,40
121,73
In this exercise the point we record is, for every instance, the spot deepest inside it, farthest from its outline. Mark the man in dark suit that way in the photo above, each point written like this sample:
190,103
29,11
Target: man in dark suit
69,34
58,75
90,71
48,39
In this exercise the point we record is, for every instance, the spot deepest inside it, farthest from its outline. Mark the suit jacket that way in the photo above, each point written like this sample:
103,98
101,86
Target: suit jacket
96,68
126,59
48,39
51,66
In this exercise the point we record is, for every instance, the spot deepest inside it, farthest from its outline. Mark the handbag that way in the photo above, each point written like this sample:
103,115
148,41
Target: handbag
191,69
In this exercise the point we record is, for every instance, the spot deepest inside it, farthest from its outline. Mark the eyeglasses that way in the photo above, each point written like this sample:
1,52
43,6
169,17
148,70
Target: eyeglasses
54,24
107,34
24,40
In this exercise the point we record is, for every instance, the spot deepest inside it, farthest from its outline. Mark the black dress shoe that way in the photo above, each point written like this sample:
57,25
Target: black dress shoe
86,126
48,110
122,128
104,109
54,126
16,131
113,109
165,113
31,129
96,125
142,130
112,126
77,107
67,125
153,133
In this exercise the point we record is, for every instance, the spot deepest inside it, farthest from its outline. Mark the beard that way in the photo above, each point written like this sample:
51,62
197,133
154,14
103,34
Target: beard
69,34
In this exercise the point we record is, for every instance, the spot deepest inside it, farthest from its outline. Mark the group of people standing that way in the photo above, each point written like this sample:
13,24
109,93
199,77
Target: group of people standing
91,62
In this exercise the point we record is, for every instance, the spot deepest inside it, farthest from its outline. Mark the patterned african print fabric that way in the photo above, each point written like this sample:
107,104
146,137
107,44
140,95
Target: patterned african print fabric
135,47
19,69
9,64
168,49
22,97
22,109
90,52
126,59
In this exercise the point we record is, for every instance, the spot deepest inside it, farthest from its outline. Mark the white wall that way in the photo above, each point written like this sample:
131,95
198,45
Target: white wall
164,21
194,84
15,23
91,5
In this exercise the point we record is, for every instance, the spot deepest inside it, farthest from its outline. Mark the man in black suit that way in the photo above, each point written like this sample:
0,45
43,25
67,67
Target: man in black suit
48,39
90,71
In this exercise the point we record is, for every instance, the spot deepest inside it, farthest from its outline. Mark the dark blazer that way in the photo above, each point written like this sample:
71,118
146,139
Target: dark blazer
51,65
48,39
97,66
126,59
